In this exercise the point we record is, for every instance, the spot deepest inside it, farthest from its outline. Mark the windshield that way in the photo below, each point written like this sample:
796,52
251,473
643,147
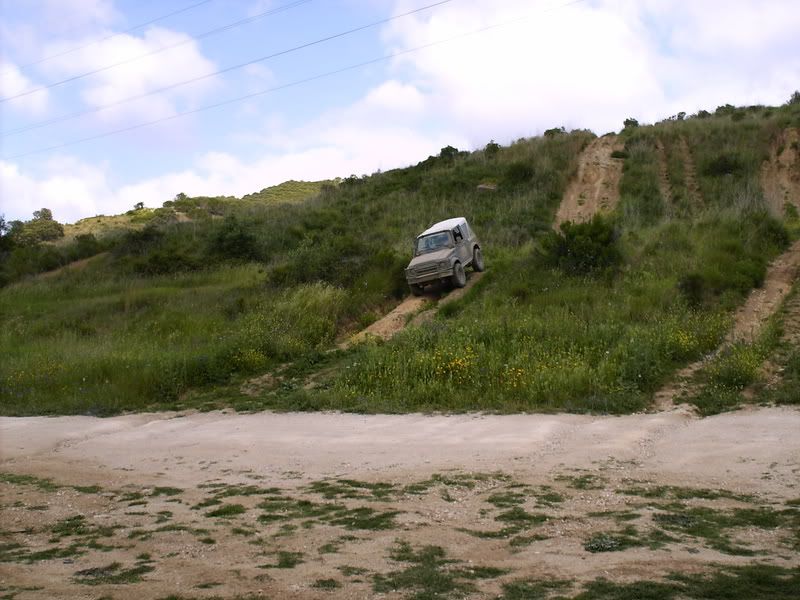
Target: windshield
433,242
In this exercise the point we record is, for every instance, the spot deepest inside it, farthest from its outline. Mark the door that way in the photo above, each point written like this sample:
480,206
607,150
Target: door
462,247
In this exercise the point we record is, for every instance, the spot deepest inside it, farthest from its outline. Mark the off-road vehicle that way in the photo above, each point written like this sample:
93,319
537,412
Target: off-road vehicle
441,253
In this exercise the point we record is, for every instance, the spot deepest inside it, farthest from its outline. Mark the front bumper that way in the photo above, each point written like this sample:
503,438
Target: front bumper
418,276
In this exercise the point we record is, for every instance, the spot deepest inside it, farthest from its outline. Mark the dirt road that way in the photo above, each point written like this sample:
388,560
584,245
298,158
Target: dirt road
321,500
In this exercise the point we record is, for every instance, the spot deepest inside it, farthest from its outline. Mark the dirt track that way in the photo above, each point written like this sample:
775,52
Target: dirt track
133,459
596,187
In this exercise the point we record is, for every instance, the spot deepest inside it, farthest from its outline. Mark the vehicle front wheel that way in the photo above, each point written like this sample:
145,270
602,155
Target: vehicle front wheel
477,260
416,290
459,278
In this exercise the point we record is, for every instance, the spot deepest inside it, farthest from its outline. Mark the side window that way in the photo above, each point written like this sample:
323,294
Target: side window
457,235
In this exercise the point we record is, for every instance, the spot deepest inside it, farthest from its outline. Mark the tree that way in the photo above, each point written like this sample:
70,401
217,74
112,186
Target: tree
630,123
448,153
794,98
6,240
138,206
491,149
42,228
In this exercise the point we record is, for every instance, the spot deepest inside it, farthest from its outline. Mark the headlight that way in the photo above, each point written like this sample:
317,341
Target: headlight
443,264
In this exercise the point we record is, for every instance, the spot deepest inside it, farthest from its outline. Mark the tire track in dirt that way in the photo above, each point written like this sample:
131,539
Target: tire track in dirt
780,175
663,177
596,187
404,313
790,337
747,322
690,173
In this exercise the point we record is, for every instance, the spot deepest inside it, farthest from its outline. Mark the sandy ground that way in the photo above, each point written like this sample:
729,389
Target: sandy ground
132,457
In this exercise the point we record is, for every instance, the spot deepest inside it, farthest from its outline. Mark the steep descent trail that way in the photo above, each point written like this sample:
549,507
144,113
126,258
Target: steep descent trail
780,175
396,320
690,173
747,322
664,185
596,187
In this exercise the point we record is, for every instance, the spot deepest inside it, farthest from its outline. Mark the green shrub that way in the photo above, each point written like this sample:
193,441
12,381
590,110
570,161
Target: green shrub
723,164
583,248
232,240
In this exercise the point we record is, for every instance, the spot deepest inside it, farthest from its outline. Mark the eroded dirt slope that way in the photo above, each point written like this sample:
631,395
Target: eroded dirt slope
596,186
780,175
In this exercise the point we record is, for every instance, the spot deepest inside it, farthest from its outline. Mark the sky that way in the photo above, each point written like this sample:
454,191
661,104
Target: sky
107,103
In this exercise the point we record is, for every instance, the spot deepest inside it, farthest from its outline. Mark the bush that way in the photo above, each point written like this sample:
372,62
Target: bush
233,241
583,248
723,164
518,173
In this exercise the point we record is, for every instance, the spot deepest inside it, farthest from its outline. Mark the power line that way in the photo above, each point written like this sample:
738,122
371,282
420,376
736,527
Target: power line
113,35
96,109
205,34
293,83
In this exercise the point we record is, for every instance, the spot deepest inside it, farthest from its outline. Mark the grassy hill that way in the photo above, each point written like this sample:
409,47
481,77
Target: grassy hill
181,310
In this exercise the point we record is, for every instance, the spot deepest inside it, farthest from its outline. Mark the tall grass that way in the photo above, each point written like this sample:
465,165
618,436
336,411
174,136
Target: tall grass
132,343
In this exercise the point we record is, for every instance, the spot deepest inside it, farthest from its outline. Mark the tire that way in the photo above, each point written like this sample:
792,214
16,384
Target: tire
477,260
416,290
459,277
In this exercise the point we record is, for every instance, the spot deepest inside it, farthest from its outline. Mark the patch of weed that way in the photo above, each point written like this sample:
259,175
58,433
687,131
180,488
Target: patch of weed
285,560
350,488
682,493
165,491
349,571
614,542
712,525
112,574
46,485
583,482
286,508
430,574
326,584
227,511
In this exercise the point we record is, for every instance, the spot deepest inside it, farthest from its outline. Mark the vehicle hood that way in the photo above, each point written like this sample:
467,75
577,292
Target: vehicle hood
430,257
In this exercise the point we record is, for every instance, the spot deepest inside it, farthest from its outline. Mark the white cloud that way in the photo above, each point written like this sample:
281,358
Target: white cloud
593,64
395,96
578,65
138,76
70,188
13,82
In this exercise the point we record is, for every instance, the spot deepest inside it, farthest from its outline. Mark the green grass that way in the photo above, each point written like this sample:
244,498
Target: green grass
681,493
714,526
279,509
112,574
326,584
46,485
285,560
428,573
227,511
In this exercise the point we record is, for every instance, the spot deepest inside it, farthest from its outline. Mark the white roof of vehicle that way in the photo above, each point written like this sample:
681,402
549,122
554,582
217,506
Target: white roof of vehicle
445,225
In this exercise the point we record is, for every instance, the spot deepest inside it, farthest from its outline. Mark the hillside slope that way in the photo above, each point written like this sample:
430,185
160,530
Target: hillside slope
596,318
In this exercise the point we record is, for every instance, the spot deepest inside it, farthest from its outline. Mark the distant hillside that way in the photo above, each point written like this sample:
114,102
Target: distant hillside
288,191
